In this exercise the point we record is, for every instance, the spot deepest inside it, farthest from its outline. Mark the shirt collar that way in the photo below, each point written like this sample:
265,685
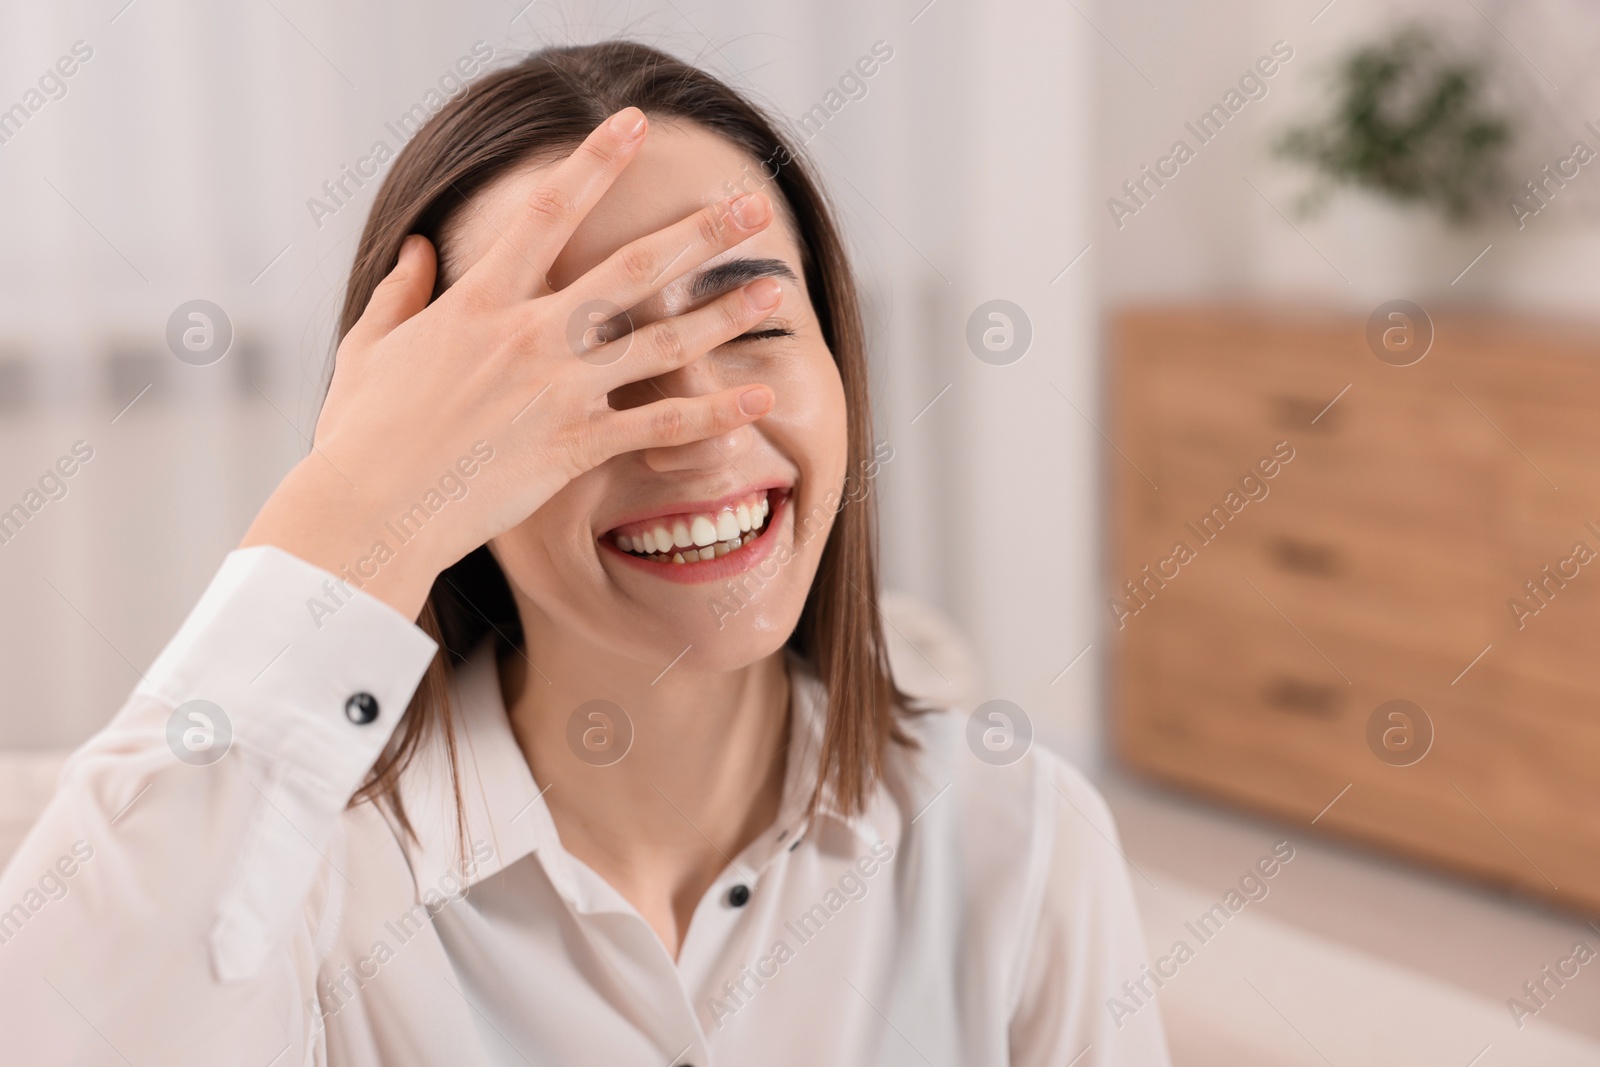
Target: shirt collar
504,808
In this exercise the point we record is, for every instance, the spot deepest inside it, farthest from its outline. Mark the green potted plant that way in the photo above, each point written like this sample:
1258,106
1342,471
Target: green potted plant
1409,122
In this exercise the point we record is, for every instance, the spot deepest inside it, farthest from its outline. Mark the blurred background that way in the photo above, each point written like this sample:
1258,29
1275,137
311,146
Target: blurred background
1373,254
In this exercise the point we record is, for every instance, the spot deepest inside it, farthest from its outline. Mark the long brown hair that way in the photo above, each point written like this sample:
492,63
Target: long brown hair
541,108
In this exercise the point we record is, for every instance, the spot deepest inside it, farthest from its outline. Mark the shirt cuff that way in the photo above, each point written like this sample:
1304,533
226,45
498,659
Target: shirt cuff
281,647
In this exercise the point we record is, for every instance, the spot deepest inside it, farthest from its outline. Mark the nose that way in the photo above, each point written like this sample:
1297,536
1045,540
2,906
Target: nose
723,451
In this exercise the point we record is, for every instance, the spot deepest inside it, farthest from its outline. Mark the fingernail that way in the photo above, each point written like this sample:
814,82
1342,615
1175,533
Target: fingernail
764,293
756,401
750,210
627,123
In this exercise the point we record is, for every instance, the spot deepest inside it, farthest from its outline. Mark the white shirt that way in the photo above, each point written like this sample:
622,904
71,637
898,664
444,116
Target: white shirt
240,912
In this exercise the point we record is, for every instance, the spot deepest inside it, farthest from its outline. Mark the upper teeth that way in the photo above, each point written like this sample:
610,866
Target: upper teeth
691,538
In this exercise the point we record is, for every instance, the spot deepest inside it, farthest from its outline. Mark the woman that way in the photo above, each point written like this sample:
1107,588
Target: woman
636,786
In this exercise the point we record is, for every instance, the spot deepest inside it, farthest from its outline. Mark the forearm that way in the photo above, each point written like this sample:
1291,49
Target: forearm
167,891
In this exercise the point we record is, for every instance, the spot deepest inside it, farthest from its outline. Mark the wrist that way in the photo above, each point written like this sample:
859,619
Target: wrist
318,515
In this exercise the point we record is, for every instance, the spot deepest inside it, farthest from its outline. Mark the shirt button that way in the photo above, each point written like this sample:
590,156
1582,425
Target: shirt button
361,708
739,896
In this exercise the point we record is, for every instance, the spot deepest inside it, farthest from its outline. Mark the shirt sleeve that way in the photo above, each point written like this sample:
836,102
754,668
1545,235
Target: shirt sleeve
1074,1008
165,907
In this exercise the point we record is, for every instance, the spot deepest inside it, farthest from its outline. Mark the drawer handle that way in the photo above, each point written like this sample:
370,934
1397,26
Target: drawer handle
1306,557
1297,413
1302,697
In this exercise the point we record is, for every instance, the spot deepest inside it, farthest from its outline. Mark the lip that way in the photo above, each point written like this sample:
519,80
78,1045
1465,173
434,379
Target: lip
693,506
711,570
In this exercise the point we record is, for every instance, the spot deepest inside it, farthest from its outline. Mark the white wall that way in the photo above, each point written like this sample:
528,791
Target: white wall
179,164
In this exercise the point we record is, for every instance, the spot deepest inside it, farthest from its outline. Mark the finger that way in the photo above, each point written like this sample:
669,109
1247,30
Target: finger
403,292
521,257
670,343
640,268
682,420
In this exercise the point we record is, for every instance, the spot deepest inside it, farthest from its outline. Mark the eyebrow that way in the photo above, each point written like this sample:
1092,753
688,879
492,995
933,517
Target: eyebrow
736,272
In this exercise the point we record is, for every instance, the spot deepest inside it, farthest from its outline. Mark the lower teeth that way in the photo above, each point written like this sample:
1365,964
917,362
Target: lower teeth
698,555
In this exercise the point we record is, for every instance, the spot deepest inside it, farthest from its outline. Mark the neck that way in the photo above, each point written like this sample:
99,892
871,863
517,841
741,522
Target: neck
701,779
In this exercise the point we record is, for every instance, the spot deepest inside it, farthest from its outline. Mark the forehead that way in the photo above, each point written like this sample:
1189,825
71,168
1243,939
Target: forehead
680,169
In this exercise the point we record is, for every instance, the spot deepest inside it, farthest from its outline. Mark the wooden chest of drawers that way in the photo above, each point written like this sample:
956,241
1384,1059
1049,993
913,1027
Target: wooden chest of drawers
1427,533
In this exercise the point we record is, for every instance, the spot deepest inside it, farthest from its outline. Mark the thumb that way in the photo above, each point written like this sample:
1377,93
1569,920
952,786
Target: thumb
403,292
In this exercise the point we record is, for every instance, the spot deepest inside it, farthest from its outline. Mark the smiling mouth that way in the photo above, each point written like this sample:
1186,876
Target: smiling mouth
700,536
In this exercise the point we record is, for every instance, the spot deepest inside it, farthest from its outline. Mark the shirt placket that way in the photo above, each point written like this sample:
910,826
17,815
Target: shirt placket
637,948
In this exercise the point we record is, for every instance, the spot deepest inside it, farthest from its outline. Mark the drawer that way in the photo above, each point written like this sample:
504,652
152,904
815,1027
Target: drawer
1243,380
1401,460
1352,585
1212,408
1368,555
1306,349
1294,696
1368,496
1243,705
1221,390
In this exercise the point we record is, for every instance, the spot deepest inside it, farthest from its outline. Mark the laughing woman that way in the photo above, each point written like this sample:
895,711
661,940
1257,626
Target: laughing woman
544,713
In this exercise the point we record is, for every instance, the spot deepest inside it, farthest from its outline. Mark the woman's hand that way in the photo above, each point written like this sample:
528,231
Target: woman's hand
449,423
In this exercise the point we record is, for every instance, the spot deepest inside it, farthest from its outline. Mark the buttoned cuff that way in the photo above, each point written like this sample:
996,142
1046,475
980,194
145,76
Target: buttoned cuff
282,647
304,679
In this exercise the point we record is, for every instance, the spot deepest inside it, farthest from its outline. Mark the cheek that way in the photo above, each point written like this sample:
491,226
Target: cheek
810,425
549,551
811,416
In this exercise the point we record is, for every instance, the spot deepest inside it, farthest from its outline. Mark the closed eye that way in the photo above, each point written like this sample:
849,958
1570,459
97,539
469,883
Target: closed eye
762,335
